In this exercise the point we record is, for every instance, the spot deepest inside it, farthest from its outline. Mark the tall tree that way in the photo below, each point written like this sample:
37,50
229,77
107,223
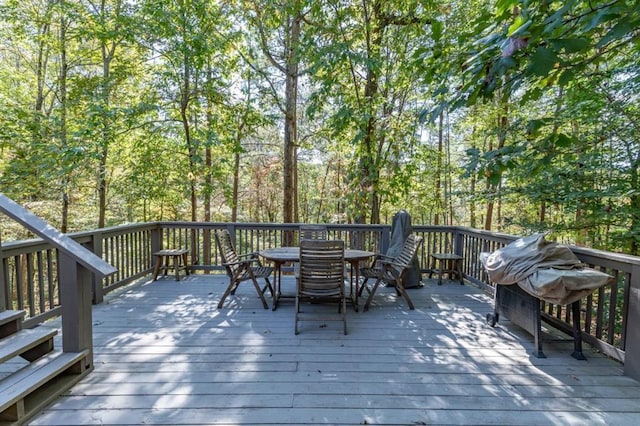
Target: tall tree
360,67
181,33
108,24
280,29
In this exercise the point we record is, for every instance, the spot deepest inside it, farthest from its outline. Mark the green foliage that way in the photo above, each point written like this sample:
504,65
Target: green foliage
442,108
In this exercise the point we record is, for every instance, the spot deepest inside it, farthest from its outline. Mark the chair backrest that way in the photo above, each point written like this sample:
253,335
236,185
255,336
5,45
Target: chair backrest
313,232
409,250
227,250
321,268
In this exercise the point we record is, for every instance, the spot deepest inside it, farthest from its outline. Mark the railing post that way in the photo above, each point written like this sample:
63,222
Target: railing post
75,298
457,242
232,232
206,249
156,239
385,239
95,245
632,332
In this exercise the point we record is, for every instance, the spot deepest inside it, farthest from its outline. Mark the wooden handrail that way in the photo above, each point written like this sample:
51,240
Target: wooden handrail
55,237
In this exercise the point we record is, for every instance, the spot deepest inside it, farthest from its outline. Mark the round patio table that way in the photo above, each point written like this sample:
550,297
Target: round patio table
281,255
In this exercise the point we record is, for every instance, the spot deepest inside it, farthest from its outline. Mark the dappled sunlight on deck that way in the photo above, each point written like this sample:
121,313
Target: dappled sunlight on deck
164,354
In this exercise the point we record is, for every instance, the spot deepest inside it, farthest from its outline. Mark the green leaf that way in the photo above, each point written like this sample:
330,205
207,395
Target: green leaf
543,60
436,30
620,30
605,15
563,140
519,26
570,45
566,77
494,177
534,126
557,19
503,6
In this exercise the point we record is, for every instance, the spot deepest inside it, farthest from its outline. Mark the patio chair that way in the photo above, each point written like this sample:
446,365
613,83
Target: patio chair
389,270
313,232
242,268
309,232
321,280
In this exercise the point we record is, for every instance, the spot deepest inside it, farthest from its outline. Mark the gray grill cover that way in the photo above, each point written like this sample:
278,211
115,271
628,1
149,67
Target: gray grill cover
400,230
544,269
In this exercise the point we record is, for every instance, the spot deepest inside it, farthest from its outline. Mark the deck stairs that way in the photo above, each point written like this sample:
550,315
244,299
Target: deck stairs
32,372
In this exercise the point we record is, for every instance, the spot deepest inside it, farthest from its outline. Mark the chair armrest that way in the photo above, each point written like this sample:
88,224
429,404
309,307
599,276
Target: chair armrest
391,262
379,258
239,262
252,255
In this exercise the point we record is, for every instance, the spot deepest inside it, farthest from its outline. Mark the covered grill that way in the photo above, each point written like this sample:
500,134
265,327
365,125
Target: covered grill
540,270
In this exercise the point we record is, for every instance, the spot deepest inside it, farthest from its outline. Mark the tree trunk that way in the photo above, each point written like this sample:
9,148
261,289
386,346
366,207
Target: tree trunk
108,53
106,136
367,178
503,122
472,205
41,68
184,109
64,226
438,183
543,211
291,123
236,184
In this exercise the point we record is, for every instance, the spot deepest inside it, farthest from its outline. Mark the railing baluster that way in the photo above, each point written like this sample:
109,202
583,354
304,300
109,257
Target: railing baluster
52,281
599,312
41,284
613,304
30,285
624,313
19,283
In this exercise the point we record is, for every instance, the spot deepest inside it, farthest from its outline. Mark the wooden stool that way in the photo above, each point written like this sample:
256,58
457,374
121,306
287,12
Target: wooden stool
448,263
163,257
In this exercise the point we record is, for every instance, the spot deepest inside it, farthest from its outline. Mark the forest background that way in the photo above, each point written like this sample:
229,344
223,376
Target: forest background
514,116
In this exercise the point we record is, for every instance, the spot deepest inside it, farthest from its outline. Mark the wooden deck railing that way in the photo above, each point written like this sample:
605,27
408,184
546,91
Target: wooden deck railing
36,276
609,315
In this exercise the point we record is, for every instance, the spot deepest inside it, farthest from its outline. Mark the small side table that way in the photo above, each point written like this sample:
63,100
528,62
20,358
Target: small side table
168,259
448,263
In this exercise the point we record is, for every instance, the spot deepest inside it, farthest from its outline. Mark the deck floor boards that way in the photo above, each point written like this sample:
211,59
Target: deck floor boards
165,355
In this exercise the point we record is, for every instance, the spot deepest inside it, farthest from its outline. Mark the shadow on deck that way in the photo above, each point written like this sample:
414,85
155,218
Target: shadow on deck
165,355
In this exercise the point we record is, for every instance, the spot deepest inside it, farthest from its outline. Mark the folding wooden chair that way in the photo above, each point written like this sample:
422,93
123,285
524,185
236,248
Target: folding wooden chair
241,268
313,232
388,270
321,280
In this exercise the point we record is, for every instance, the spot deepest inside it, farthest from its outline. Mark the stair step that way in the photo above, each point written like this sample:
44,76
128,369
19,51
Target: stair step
30,389
10,322
31,344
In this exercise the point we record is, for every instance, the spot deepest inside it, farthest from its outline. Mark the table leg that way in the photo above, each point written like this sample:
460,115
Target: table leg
156,270
176,266
354,296
277,280
184,263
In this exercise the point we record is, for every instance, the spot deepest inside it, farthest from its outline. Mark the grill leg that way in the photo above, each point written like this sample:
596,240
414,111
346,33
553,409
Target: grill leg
537,330
577,333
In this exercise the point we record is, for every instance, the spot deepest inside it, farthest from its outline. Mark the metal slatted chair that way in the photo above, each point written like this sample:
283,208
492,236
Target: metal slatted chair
389,270
321,279
242,268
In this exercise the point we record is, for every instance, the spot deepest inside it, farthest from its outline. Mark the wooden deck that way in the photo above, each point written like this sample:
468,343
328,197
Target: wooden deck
165,355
